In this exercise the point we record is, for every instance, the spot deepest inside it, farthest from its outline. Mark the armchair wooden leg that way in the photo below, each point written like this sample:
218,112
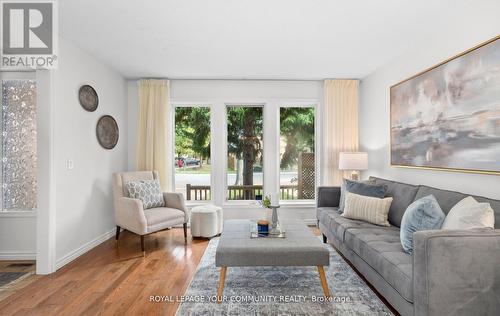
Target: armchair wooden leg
118,228
185,231
142,245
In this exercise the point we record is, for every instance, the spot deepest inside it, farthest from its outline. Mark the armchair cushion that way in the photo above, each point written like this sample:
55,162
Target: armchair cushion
148,191
176,200
163,214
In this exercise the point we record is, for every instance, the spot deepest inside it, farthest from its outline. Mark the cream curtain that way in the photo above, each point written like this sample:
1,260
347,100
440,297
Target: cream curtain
154,141
340,126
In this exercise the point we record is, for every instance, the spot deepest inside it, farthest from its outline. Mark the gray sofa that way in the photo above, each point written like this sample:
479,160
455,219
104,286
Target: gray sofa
454,272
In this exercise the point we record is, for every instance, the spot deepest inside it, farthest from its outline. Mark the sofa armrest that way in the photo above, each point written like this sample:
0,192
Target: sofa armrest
176,200
328,197
456,272
129,215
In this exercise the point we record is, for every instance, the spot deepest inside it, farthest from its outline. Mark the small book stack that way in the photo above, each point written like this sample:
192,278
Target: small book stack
263,227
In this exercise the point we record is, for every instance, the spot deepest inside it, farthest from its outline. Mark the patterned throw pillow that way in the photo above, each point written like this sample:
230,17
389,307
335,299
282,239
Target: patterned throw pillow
148,191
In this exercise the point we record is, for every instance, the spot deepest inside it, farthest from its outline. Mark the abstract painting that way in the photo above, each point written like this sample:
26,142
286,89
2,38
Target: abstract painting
448,117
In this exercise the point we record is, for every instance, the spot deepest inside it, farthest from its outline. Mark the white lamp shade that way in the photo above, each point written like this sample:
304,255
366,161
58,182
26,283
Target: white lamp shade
353,161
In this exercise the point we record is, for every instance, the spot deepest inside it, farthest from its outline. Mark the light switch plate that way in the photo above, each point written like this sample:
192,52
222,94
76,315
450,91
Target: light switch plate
69,164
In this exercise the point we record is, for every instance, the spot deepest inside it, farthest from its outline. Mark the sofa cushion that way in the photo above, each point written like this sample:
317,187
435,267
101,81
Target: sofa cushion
324,214
403,195
162,214
448,199
381,249
339,225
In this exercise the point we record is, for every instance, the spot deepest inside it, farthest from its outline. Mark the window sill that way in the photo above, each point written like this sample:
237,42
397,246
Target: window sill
253,204
191,203
295,204
17,214
242,203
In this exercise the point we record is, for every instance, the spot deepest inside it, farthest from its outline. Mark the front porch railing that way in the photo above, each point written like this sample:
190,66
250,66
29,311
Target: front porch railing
239,192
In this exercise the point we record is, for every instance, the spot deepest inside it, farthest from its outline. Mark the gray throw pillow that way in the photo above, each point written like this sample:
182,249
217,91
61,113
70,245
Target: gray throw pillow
423,214
148,191
366,188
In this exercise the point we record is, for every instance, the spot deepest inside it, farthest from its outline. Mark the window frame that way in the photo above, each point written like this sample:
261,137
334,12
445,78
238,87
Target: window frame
317,133
226,153
174,106
271,161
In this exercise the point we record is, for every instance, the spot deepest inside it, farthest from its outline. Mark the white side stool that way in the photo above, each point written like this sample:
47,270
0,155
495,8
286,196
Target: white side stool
206,221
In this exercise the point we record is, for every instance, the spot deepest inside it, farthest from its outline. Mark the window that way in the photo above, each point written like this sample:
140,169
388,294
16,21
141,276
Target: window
297,162
244,152
19,155
192,152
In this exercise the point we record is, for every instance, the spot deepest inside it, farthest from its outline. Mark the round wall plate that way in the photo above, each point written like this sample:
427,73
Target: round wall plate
107,132
88,98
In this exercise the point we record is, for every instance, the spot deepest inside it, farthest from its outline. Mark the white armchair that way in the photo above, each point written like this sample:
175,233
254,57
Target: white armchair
130,214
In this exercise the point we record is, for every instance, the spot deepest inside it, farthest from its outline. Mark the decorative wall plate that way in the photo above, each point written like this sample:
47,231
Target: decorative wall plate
88,98
107,132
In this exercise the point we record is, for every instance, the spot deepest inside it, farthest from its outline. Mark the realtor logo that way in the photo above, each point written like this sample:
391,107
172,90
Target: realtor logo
28,35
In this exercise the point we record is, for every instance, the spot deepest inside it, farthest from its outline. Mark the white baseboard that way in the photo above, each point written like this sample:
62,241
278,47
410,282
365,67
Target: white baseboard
16,255
83,249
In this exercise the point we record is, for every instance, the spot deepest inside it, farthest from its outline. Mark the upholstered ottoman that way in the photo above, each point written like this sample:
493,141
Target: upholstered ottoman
206,221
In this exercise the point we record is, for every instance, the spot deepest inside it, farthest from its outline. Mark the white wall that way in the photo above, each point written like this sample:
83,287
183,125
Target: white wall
18,235
218,93
83,195
477,24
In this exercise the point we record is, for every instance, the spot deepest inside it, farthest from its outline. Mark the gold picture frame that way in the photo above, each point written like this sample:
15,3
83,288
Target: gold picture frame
421,80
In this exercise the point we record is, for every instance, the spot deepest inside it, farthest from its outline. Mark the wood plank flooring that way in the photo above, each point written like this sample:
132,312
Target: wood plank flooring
27,266
110,280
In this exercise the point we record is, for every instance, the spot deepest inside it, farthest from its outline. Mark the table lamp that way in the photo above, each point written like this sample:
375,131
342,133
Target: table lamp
354,161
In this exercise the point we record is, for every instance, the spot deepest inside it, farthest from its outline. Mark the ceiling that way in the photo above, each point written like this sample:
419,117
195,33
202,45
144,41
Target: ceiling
252,39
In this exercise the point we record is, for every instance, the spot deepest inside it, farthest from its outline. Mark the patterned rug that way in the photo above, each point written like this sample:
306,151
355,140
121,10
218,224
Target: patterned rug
279,290
7,278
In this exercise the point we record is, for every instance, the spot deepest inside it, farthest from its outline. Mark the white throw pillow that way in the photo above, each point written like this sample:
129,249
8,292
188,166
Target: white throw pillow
469,214
370,209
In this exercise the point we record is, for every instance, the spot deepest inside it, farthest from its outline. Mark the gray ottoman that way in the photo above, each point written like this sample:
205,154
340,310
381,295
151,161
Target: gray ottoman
299,248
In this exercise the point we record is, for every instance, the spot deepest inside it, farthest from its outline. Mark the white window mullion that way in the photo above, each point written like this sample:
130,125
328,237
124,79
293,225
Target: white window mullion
219,157
271,148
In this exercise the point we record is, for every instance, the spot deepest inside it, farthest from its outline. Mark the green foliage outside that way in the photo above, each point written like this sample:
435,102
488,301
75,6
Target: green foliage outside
244,131
297,129
192,132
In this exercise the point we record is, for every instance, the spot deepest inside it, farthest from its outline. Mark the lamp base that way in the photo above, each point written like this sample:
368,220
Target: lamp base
355,175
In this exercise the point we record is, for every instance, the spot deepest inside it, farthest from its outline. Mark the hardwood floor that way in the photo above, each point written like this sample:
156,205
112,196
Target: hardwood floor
25,266
110,280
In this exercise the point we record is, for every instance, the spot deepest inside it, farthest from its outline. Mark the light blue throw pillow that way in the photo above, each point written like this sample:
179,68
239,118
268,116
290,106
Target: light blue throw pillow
423,214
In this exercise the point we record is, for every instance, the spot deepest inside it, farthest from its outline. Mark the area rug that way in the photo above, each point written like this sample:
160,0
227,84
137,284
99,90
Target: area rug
7,278
279,290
